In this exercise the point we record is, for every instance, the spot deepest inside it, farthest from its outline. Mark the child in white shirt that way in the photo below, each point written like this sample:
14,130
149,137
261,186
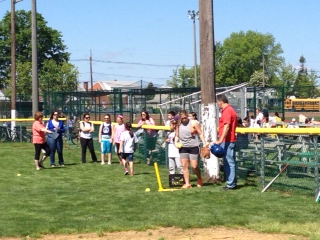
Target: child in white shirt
173,151
127,147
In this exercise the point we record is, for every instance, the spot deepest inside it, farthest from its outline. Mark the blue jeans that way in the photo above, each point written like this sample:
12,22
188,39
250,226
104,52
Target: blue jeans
229,164
55,145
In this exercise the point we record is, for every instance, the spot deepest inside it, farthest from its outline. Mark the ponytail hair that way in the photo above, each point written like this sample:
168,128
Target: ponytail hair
128,127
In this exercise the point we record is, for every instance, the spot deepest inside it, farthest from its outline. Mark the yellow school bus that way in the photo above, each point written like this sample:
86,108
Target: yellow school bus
302,104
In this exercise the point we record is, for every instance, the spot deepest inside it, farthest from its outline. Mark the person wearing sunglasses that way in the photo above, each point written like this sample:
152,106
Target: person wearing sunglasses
86,140
105,138
151,139
146,119
187,137
55,140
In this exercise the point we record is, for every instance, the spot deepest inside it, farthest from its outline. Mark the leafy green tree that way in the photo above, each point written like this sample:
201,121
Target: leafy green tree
52,55
259,79
23,80
182,78
241,55
150,94
287,76
239,59
54,78
305,85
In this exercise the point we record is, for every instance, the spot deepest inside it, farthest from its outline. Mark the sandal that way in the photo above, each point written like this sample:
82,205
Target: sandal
186,186
41,163
199,183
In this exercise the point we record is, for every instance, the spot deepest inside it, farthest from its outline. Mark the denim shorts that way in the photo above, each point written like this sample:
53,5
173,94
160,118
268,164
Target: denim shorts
127,156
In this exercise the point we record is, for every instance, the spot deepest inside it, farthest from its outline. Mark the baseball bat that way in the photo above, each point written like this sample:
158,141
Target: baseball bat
270,183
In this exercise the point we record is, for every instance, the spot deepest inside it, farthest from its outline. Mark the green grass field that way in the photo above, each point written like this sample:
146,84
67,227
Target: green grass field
81,198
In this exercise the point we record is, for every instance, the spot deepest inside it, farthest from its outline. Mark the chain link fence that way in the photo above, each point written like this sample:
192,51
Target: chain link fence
261,157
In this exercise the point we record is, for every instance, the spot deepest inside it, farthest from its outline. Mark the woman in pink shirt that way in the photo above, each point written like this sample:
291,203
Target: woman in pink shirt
39,139
147,120
118,128
151,135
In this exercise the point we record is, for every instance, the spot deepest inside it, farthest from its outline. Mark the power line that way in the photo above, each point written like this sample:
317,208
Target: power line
131,63
159,78
129,76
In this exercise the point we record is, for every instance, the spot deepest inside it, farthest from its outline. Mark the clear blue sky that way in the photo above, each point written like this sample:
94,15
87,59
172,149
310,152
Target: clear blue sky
158,32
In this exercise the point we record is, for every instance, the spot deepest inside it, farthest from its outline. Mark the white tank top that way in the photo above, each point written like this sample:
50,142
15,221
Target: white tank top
86,134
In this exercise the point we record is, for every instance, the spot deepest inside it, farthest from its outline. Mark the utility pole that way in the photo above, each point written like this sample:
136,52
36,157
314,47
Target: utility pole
263,72
193,15
263,81
13,62
208,93
91,78
13,65
35,90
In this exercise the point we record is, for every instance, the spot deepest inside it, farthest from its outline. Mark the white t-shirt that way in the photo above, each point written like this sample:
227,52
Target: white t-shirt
86,134
54,123
256,125
173,151
128,142
259,116
252,121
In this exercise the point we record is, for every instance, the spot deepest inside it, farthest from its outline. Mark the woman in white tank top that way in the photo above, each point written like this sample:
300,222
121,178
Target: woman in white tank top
86,141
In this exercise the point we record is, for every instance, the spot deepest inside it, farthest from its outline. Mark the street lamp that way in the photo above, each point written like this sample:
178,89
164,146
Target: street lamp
13,63
192,15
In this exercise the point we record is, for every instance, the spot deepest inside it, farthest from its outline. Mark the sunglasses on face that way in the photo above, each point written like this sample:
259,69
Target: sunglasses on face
87,117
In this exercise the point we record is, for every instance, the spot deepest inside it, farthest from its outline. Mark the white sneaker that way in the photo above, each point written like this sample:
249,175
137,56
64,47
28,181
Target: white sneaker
109,163
103,163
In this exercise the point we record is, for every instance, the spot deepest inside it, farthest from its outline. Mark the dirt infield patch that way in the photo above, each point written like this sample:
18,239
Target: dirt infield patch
174,234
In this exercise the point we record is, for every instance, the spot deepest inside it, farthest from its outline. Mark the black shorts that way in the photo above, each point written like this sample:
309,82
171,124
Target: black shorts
190,150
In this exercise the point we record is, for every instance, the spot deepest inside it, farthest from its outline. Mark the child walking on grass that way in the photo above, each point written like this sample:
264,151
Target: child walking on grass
127,148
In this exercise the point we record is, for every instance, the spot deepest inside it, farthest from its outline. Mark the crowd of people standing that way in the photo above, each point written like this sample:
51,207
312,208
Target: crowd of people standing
47,138
184,139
